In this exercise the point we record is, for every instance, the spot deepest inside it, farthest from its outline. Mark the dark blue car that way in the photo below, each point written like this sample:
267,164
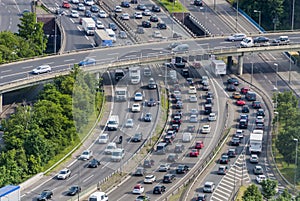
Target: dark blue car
87,61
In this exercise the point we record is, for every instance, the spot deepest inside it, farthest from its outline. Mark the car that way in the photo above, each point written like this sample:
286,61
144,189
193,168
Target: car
148,117
151,102
66,4
136,107
129,123
193,118
149,179
179,148
140,30
73,190
222,170
233,81
245,109
146,24
142,198
178,113
161,25
244,116
239,134
86,155
125,4
205,86
259,120
94,8
168,139
244,90
172,157
153,18
45,195
74,14
140,171
125,16
87,61
99,24
81,7
208,187
159,189
164,167
240,102
118,9
171,133
190,81
243,124
209,101
237,37
231,87
247,42
103,138
42,69
102,14
134,1
205,129
176,94
64,174
236,95
224,159
138,96
256,104
138,15
175,127
177,120
199,145
138,189
235,141
182,169
141,7
157,34
260,178
261,40
212,117
138,137
94,163
254,158
201,197
146,12
89,2
75,1
112,26
257,170
193,98
260,112
259,126
122,34
194,153
281,40
110,147
87,13
168,178
148,163
192,90
194,111
155,8
179,104
231,153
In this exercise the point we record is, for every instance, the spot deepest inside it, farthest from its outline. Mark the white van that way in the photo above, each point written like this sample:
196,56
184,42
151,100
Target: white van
186,137
117,154
111,34
98,196
103,138
113,122
181,48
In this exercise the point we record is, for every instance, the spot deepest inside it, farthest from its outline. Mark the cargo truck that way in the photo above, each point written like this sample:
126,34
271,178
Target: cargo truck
10,192
256,140
121,93
219,67
89,26
102,38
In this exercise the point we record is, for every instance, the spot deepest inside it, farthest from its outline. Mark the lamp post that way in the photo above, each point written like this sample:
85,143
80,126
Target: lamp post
295,176
293,14
237,15
259,16
276,84
276,132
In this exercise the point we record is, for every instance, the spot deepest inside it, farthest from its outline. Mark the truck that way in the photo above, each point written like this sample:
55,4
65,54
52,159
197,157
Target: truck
10,192
98,196
121,93
117,154
119,74
111,34
88,25
256,140
135,75
113,122
102,38
219,67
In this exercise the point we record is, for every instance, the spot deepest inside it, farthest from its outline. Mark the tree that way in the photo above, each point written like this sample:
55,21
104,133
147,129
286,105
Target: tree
269,188
252,193
284,196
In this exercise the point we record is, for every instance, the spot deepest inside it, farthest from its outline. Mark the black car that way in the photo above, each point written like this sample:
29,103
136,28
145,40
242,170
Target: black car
168,178
182,169
231,87
141,7
260,112
140,171
172,157
233,80
45,195
168,139
179,148
235,141
112,26
74,190
191,128
209,94
159,189
198,3
209,101
134,1
151,102
261,39
94,163
153,18
161,25
88,13
137,137
243,124
231,153
256,104
175,127
155,8
179,104
148,117
148,163
146,24
125,4
178,113
177,120
95,8
245,109
224,159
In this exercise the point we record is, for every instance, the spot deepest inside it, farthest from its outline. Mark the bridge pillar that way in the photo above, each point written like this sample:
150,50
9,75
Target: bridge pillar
229,62
1,101
240,64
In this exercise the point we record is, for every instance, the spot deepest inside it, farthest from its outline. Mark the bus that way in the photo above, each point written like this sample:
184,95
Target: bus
135,75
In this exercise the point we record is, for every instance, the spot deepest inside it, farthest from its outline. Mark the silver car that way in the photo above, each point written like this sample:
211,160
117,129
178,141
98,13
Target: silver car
237,37
42,69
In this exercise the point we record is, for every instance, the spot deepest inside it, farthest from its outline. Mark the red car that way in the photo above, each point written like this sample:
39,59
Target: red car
194,153
240,102
66,4
244,90
199,145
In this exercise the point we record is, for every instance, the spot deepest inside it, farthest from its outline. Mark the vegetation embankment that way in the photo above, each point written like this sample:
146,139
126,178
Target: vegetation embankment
37,136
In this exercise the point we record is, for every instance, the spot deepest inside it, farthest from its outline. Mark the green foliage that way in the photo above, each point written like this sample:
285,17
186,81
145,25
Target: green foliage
252,193
269,188
284,196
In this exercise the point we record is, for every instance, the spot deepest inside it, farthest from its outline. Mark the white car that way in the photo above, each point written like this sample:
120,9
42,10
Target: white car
147,12
102,14
64,174
247,42
212,117
86,155
118,9
192,90
138,15
237,37
157,34
194,111
129,123
260,178
99,24
81,7
103,138
138,189
74,13
205,129
193,118
254,158
89,2
42,69
149,179
135,107
193,98
138,96
75,1
125,16
164,167
110,147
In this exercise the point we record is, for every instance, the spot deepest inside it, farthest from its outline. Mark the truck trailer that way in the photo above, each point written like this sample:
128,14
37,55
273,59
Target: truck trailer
219,67
256,140
121,93
89,26
102,38
10,192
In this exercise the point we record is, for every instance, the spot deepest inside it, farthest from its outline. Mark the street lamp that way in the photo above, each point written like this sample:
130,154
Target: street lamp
276,132
295,176
259,16
293,14
237,15
276,84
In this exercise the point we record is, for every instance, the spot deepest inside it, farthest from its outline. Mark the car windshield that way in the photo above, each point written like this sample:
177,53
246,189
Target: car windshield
63,172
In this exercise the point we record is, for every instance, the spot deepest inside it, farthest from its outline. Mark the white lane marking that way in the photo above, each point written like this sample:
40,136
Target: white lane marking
5,71
79,28
86,37
72,20
113,53
122,197
27,67
50,63
88,178
111,58
130,56
67,60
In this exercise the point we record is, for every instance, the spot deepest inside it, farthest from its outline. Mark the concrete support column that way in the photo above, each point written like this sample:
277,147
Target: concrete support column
229,62
1,100
240,64
97,75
